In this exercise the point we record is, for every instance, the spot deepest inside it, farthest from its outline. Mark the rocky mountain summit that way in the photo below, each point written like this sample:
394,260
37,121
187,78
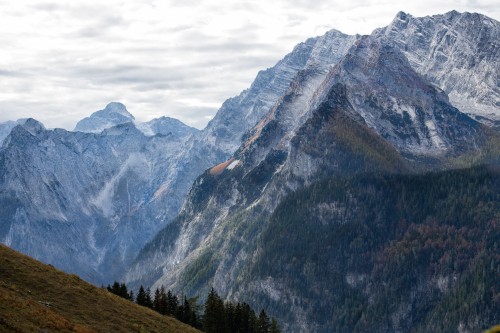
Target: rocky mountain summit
457,52
7,126
372,111
113,114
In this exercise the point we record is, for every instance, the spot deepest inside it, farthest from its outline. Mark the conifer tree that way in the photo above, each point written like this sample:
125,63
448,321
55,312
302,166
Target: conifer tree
230,316
122,291
162,302
172,303
214,321
263,324
248,319
274,326
180,312
116,288
141,297
149,301
252,327
195,309
156,301
119,289
238,317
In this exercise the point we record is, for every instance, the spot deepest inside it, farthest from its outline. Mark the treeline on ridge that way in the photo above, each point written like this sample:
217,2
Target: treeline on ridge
214,316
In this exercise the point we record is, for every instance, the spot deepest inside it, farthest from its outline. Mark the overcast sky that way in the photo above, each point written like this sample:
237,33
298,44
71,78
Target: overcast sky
62,60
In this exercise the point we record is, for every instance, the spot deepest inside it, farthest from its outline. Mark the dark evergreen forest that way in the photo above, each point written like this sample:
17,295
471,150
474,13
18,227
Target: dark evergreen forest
214,316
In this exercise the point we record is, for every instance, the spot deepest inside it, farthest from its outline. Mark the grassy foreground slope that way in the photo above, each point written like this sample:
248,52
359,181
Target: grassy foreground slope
39,298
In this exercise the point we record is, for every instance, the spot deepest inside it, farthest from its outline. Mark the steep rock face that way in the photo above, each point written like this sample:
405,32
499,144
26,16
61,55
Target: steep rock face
370,113
237,115
401,105
458,52
7,126
113,114
166,126
222,136
86,202
308,62
115,201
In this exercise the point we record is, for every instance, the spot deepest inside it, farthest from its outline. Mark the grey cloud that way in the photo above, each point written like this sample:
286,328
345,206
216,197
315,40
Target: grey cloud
246,6
88,32
168,74
88,11
194,116
156,49
184,3
248,33
244,42
13,110
8,73
95,19
121,74
483,5
295,20
49,6
248,30
79,10
151,86
180,28
308,5
99,25
225,46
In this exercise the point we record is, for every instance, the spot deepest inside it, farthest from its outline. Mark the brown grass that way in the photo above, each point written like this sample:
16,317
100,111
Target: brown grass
39,298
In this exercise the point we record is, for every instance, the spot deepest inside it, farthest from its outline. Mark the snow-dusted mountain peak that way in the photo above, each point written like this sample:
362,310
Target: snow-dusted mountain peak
457,52
117,107
400,104
33,126
113,114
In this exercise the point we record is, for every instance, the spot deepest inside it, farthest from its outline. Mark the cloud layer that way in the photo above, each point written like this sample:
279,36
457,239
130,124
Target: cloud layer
61,61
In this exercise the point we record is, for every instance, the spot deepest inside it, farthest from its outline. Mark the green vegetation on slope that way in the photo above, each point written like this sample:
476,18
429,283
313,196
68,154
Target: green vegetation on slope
38,298
413,253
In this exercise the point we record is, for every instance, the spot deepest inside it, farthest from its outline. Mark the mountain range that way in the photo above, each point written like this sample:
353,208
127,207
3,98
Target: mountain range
353,187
